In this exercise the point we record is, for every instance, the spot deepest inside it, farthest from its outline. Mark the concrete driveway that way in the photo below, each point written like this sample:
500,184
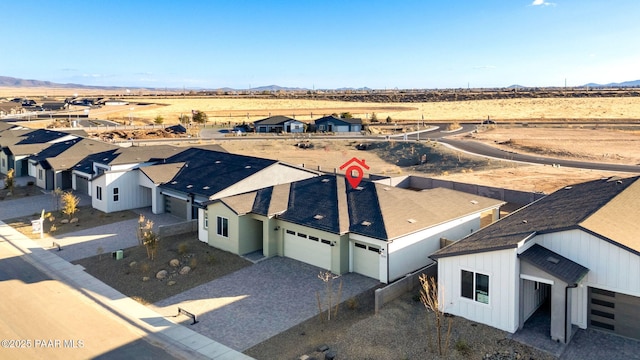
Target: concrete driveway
595,345
251,305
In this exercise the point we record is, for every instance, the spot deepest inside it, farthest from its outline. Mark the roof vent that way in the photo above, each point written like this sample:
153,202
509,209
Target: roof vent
359,188
474,202
524,221
365,223
248,167
553,260
205,188
568,187
412,221
318,217
325,180
189,186
174,182
218,161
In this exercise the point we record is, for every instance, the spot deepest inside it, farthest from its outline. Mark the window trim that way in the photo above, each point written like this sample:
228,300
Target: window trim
205,220
474,287
116,194
99,192
222,226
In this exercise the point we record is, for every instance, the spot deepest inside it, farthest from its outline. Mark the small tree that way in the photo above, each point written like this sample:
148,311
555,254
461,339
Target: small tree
199,117
327,277
374,118
9,180
69,204
389,119
184,119
158,120
147,237
346,115
429,298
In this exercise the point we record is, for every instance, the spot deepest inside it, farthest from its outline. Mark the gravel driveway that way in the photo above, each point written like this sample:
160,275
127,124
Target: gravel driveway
253,304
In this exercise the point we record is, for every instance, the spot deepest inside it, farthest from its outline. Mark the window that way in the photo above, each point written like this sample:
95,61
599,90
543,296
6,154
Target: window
40,172
116,194
223,227
3,163
205,221
475,286
291,232
98,193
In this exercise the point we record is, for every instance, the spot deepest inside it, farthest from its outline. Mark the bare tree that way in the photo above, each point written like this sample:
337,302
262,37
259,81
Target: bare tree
429,298
147,237
327,277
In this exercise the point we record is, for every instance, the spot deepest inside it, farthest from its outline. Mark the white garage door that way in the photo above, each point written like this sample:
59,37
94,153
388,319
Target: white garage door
366,260
82,184
308,249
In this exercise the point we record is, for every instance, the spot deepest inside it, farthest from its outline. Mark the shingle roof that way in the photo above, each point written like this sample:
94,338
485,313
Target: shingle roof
352,121
274,120
162,173
52,151
41,136
554,264
208,172
329,203
564,209
77,153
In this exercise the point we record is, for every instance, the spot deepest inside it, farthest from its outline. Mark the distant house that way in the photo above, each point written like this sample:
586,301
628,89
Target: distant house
112,102
53,106
10,108
576,250
373,230
18,145
279,124
334,124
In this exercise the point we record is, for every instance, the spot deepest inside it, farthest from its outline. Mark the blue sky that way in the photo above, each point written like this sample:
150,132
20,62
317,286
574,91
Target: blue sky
322,44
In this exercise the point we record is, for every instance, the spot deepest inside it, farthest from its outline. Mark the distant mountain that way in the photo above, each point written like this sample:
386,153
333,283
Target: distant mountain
276,88
516,86
16,82
635,83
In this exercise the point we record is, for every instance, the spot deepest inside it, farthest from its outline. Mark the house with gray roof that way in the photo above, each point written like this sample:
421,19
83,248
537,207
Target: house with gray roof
335,124
576,250
279,124
375,230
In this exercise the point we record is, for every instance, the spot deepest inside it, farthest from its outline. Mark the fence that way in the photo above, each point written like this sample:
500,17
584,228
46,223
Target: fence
396,289
178,228
422,183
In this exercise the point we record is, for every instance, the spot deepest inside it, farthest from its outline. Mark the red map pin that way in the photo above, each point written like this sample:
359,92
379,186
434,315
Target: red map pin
356,165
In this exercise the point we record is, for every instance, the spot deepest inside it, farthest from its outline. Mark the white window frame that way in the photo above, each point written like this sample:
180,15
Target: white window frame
99,192
116,194
221,229
475,287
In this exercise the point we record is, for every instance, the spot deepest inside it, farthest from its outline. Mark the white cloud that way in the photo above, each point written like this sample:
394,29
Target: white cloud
542,3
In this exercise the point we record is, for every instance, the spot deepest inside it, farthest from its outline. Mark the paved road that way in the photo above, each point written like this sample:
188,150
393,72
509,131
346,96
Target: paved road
42,313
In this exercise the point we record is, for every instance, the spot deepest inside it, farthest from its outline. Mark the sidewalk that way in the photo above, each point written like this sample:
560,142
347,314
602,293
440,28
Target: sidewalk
146,319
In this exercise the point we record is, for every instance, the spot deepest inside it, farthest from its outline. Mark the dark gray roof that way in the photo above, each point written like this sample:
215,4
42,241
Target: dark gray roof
52,151
207,172
352,121
41,136
274,120
562,210
554,264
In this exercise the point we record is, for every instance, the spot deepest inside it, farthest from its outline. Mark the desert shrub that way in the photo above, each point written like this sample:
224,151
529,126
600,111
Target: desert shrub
183,248
462,347
193,263
453,126
352,303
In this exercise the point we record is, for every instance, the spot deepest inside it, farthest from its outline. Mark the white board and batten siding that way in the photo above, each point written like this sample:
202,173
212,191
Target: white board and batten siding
501,266
411,252
610,267
130,194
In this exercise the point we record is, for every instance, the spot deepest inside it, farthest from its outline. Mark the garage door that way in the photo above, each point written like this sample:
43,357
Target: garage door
614,312
82,185
366,260
176,207
308,249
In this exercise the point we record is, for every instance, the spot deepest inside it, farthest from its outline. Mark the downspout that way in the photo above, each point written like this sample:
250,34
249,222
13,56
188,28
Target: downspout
566,311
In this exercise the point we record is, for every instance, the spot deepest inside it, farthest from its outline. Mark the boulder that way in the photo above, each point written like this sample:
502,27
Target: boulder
73,221
161,274
174,263
64,221
132,264
185,270
145,278
171,283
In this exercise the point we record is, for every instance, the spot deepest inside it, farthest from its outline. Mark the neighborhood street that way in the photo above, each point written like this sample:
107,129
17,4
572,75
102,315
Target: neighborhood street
43,318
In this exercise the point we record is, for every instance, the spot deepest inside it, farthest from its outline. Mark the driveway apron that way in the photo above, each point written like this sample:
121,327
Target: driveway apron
251,305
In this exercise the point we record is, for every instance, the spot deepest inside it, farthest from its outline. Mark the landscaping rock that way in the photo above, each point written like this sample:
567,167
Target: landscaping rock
145,278
64,221
132,264
171,283
185,270
161,274
330,355
73,221
174,263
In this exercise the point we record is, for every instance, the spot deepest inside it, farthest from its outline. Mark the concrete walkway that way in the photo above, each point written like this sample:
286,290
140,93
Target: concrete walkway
110,237
166,332
253,304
